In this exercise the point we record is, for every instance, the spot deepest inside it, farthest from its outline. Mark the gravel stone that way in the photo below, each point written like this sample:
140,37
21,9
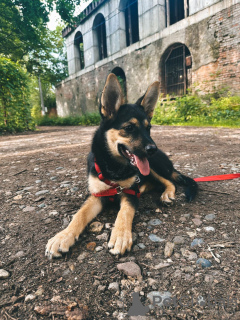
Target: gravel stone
210,217
209,229
96,227
168,251
178,240
197,242
4,274
155,222
130,269
204,263
155,238
40,193
114,286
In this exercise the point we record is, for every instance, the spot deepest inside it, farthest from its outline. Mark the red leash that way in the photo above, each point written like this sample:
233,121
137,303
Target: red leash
219,178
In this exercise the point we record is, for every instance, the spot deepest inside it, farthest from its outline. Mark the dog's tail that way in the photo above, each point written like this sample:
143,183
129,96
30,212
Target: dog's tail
190,186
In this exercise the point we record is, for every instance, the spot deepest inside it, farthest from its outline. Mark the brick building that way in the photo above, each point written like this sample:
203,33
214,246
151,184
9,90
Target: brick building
183,43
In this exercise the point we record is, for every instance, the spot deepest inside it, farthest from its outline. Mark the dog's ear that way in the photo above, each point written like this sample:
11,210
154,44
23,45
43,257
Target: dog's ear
111,98
149,100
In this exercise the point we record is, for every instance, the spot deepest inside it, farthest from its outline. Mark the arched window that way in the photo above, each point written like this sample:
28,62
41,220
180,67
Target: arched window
130,9
100,41
78,43
176,70
122,80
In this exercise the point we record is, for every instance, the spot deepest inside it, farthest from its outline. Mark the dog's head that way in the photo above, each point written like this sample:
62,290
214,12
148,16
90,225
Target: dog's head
127,126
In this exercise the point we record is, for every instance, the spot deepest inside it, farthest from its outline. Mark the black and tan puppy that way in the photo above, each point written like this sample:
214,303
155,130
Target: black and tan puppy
123,163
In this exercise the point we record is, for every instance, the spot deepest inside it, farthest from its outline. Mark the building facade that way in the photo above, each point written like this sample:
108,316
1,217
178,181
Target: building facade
183,43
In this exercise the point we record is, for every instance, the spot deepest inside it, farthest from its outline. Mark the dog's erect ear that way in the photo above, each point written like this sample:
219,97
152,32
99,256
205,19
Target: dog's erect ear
149,100
112,97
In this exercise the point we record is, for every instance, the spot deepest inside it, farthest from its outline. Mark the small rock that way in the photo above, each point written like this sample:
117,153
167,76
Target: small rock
19,254
134,237
74,189
91,246
178,240
30,297
39,199
53,213
19,197
155,222
141,245
162,265
38,181
197,242
152,282
149,256
158,210
209,229
155,238
210,217
108,225
205,255
39,291
96,283
188,254
208,278
53,178
197,222
65,222
4,274
42,205
101,288
130,269
103,236
114,286
192,234
59,168
29,209
39,193
65,185
204,263
82,256
141,234
99,248
96,227
157,298
168,251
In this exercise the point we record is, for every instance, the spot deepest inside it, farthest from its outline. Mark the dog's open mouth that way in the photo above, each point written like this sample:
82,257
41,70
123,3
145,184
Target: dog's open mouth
141,164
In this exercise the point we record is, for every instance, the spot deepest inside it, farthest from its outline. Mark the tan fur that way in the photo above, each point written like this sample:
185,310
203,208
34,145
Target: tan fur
146,123
146,187
113,139
170,189
63,240
121,237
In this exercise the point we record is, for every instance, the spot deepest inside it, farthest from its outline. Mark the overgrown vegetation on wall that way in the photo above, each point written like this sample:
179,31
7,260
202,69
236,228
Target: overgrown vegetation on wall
209,110
88,119
15,114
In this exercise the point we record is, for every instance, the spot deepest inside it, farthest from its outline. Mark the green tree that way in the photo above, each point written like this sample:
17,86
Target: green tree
15,112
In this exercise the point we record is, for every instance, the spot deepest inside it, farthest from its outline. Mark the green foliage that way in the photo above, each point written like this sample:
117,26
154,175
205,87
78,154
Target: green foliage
88,119
194,110
15,112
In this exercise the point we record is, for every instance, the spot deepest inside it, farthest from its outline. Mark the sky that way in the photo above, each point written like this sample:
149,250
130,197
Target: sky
55,18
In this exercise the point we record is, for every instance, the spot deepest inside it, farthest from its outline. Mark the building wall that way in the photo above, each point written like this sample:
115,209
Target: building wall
211,35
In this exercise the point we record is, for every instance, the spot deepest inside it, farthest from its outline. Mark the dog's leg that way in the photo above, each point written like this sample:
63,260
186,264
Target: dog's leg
121,237
169,193
63,240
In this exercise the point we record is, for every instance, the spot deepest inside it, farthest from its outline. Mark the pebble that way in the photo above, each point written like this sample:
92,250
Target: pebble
28,188
96,227
39,193
130,269
188,254
103,236
101,288
155,222
38,181
53,213
134,237
40,291
99,248
65,185
205,255
30,297
178,240
53,178
91,246
159,297
158,210
59,168
209,229
210,216
141,234
197,242
141,245
19,254
19,197
155,238
197,221
4,274
204,263
29,209
168,251
42,205
65,222
192,234
74,189
114,286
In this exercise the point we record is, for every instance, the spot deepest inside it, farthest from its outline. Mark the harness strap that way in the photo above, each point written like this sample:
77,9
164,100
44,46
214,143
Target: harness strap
115,188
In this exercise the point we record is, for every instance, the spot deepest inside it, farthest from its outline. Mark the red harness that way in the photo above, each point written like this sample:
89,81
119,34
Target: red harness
115,188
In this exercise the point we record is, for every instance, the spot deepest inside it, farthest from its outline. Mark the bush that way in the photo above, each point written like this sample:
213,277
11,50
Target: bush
15,115
84,120
194,110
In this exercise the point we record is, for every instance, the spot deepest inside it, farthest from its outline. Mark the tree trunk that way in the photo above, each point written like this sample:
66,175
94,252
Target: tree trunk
41,96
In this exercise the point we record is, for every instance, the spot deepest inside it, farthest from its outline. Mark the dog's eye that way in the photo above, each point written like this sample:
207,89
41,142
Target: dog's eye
129,128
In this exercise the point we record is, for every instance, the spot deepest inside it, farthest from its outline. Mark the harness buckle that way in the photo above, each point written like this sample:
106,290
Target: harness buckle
119,189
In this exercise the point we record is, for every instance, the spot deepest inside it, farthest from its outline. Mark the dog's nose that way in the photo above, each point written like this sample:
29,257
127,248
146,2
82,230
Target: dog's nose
151,149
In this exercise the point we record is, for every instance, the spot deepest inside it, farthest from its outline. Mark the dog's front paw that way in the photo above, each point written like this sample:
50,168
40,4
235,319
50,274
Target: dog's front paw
60,243
167,197
120,241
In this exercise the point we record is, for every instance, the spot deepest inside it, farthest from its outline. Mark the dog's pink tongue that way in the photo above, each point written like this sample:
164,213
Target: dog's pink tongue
143,165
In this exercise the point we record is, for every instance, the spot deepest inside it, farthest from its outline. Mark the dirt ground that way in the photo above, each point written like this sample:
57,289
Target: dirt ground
53,160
